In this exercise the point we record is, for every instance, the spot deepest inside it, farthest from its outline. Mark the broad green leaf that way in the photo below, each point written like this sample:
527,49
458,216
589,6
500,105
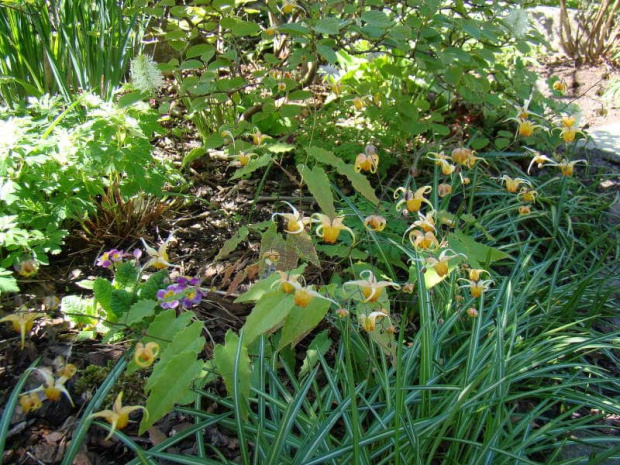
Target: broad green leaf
165,326
343,251
304,245
185,340
501,143
198,50
129,99
138,311
300,95
319,187
319,345
102,290
120,302
154,283
245,28
268,315
225,357
480,143
300,321
7,282
260,162
191,64
173,384
78,310
327,52
232,243
327,26
376,18
126,276
477,254
281,147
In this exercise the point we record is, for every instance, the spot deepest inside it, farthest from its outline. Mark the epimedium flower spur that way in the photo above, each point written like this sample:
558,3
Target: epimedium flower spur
412,200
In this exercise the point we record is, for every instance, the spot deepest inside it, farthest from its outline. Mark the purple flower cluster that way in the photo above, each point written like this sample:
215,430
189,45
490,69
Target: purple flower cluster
110,257
184,291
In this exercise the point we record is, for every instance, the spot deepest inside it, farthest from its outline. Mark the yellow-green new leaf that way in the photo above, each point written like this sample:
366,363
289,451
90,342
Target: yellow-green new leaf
300,321
173,384
267,316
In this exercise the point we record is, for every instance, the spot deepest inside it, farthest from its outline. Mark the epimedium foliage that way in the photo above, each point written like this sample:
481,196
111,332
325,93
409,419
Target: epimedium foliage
55,163
417,70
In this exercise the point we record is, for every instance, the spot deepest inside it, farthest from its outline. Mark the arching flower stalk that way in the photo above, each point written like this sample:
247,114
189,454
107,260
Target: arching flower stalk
295,222
370,287
329,228
413,200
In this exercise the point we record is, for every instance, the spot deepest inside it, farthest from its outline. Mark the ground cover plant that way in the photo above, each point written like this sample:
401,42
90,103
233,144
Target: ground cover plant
425,266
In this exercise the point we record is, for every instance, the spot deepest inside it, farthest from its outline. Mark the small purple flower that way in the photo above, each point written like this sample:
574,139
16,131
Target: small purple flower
108,258
192,297
166,296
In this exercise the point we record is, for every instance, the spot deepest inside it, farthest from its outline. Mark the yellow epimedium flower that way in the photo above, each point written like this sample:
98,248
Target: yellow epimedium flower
258,137
159,258
539,160
413,200
477,288
118,417
145,354
54,387
306,294
444,189
425,222
288,281
375,223
271,257
567,167
526,128
472,312
228,137
368,161
423,240
288,7
30,401
295,223
440,264
27,267
474,273
370,287
441,160
527,195
359,103
22,322
329,228
244,158
512,185
369,322
465,157
524,210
